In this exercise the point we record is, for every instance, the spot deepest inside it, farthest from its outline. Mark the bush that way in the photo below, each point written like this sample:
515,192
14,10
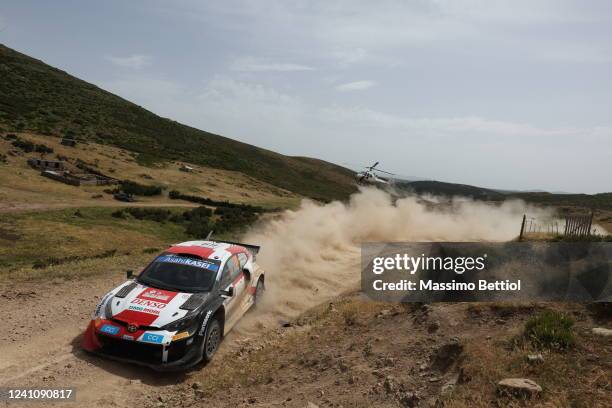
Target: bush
118,214
131,187
199,222
233,219
549,329
151,214
24,145
41,148
176,195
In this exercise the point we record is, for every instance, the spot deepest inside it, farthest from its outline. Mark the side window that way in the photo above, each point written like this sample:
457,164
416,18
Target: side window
231,270
242,257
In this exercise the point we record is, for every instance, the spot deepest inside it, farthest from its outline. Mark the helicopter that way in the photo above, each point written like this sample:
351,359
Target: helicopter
368,176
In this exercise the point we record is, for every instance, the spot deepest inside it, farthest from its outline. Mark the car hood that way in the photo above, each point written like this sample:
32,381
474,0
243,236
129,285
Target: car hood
147,306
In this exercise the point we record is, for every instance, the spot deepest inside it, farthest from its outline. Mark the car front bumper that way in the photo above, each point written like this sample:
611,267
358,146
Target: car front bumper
165,356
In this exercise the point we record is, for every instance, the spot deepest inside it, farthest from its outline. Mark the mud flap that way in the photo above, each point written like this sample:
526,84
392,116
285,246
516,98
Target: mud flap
90,341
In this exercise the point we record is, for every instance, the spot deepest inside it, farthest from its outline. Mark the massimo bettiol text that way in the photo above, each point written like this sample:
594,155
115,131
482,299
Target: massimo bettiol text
465,271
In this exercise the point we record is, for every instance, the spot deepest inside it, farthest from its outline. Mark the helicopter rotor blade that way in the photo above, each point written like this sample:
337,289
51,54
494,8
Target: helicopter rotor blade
382,171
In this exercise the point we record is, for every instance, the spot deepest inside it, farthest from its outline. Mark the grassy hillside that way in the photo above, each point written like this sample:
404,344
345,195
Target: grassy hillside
451,189
39,98
602,201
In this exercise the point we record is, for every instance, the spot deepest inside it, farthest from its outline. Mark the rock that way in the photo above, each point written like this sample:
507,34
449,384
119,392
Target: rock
389,384
433,327
409,400
446,355
600,331
285,323
449,385
199,394
519,387
196,385
535,358
311,405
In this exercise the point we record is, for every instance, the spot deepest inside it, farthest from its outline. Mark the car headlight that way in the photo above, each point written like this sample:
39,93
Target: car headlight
186,323
108,309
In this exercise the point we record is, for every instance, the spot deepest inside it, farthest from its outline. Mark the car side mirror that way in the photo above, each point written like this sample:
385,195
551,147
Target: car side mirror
229,292
129,274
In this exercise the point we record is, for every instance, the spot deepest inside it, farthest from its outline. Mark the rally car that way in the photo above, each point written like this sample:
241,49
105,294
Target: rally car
175,313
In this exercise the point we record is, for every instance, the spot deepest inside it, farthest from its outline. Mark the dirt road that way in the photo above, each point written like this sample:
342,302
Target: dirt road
40,333
12,208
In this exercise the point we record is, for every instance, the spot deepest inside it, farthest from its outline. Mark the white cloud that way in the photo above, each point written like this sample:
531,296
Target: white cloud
350,56
356,86
257,65
135,61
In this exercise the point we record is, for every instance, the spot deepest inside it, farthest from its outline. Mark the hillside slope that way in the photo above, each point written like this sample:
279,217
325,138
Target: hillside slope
39,98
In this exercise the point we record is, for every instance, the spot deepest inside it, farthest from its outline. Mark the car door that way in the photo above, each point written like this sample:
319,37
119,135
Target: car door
233,277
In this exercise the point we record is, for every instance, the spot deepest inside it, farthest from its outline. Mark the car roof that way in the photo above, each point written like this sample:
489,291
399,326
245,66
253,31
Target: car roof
220,251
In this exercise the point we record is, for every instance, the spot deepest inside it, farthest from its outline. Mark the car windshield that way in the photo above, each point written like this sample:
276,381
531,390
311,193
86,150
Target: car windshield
180,273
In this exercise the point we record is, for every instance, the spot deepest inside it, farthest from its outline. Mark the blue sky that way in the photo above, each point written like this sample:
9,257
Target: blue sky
505,94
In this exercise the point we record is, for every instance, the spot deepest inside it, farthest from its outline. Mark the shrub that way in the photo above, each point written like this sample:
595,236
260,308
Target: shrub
151,214
131,187
24,145
118,214
41,148
550,329
199,222
176,195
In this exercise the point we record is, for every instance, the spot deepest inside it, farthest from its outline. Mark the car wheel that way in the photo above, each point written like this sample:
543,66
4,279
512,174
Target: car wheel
259,290
212,339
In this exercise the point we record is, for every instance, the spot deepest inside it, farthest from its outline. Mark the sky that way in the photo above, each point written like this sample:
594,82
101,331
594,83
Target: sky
510,94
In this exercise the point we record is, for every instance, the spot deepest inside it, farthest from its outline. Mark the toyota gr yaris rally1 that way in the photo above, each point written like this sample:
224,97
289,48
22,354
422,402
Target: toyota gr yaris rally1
177,310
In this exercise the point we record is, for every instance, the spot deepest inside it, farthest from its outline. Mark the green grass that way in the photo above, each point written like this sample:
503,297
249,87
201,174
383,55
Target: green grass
38,98
550,330
61,237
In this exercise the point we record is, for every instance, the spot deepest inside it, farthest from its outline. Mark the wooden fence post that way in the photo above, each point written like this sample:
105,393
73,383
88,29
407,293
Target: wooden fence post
522,227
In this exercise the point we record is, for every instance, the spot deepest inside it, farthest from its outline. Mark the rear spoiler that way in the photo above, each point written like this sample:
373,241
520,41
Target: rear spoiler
253,249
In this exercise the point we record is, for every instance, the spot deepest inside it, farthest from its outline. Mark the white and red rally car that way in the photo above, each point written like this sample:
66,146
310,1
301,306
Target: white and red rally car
177,310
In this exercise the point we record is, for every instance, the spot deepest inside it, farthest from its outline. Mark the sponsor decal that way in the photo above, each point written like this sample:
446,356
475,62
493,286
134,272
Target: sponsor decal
143,309
127,337
203,328
152,338
109,329
148,303
156,294
189,262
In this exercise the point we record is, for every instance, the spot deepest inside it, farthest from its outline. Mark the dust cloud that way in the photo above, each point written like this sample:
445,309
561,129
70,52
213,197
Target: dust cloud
313,253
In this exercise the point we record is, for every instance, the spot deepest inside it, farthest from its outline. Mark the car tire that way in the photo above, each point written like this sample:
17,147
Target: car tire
259,290
212,340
